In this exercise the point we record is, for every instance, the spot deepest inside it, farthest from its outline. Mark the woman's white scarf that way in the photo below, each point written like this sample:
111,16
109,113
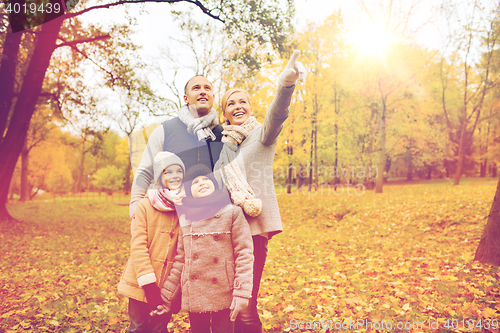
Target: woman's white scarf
241,192
201,126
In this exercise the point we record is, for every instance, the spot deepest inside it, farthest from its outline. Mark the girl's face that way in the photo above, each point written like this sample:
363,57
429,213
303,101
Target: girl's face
172,177
202,186
238,108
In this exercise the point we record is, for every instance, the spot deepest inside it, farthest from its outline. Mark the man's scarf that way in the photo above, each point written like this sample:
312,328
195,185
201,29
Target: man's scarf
202,126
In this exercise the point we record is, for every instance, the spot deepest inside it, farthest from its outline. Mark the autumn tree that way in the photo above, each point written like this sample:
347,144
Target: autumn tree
488,250
40,129
387,67
478,30
259,22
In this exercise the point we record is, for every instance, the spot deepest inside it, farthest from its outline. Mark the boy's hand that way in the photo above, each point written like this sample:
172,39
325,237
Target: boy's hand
238,304
294,70
161,309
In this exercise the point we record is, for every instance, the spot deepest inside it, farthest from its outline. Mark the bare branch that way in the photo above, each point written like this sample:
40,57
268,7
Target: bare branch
122,2
79,41
111,75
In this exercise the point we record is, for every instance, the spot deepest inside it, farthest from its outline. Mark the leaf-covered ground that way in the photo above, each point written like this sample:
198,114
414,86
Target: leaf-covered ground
362,261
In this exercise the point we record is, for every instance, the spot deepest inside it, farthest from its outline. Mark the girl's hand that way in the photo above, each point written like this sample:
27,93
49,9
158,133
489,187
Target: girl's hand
294,70
238,304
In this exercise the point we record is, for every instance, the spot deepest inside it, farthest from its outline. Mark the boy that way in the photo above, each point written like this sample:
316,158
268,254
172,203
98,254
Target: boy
214,256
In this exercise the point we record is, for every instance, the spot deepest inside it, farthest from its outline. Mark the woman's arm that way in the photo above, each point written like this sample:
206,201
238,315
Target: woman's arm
278,112
276,115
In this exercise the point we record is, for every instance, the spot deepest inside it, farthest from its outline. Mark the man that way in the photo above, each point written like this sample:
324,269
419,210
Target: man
194,136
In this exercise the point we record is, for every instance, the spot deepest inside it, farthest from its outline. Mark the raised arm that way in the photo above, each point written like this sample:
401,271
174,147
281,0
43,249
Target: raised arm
278,111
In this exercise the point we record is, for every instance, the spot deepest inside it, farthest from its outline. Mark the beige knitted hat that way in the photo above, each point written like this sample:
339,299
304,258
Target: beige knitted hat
163,160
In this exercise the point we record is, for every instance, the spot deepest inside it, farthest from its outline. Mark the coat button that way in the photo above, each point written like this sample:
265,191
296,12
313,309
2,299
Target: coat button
193,277
195,256
216,237
217,216
216,260
214,280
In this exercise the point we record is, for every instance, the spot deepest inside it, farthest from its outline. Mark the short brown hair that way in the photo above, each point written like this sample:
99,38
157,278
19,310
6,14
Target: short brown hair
185,87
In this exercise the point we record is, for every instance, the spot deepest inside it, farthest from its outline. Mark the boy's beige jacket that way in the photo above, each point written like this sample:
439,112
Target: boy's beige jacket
151,234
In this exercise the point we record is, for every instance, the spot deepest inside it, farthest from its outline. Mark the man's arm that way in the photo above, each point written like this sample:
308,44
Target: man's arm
144,174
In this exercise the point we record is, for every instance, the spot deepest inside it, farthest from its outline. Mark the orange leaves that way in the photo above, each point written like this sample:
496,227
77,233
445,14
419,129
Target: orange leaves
68,264
390,258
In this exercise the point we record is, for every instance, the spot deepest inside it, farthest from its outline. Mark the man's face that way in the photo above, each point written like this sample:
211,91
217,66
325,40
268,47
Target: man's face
199,95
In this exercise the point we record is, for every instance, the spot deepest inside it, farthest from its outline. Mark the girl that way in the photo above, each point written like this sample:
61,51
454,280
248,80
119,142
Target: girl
214,256
153,245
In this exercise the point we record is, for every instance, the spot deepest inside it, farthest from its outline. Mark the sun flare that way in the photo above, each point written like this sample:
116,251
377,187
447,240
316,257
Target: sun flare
371,39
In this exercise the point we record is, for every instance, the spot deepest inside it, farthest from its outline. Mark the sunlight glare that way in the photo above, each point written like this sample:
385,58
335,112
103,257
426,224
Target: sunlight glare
371,39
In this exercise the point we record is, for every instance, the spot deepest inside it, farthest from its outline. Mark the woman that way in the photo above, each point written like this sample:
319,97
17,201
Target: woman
249,177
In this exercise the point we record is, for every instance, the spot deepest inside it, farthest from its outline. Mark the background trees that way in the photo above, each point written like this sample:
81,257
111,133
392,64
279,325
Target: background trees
26,57
368,111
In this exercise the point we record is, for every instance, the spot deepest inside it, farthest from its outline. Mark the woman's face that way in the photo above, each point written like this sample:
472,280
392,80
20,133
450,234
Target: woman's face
172,177
202,186
238,108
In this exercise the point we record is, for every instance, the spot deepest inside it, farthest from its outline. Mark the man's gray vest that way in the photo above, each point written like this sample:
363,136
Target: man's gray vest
185,145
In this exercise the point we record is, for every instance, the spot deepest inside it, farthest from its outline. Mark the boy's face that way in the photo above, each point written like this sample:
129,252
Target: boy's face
202,186
172,177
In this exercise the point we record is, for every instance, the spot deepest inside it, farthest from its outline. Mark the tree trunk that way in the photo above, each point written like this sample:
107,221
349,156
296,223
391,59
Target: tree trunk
336,179
429,172
311,170
81,169
128,170
494,170
7,76
316,175
461,153
25,196
382,152
11,145
301,177
488,250
289,180
484,167
409,174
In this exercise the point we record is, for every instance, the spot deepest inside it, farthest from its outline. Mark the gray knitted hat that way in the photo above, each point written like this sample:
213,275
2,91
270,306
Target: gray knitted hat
163,160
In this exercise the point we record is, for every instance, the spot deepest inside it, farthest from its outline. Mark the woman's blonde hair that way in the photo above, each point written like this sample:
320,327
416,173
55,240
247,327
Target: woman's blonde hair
228,93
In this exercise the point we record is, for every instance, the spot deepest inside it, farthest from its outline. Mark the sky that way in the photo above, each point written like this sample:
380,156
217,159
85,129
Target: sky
155,23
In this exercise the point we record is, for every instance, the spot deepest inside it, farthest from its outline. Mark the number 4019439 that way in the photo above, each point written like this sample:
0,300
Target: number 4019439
471,324
33,8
